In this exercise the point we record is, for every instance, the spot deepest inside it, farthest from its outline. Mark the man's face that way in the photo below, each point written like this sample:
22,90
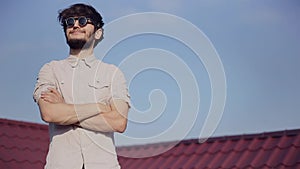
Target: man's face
78,35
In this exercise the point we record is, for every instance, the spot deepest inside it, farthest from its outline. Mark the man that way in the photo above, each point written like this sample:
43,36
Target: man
83,99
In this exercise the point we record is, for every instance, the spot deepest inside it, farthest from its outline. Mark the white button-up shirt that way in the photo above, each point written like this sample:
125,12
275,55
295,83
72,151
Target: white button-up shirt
83,81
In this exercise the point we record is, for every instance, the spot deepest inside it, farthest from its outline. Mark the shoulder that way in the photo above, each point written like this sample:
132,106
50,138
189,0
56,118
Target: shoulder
109,70
54,63
51,67
108,67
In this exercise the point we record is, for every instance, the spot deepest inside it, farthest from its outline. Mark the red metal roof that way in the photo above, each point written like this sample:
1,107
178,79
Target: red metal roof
24,145
265,150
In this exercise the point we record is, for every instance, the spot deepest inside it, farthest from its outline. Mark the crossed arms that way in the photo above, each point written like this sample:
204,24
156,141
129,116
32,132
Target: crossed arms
94,116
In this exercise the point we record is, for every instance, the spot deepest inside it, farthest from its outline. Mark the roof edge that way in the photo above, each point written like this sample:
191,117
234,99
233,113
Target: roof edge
260,135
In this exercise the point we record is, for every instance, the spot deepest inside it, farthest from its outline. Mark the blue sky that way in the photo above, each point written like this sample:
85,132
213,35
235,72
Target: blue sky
258,43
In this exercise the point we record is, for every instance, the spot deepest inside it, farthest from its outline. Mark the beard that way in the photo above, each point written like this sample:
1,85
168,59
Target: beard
79,43
76,43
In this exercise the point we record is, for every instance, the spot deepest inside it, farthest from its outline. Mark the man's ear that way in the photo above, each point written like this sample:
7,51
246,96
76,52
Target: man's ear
98,33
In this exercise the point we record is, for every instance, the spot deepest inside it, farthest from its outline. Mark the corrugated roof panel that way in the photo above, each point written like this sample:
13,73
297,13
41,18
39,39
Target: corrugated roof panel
217,160
24,145
276,157
156,162
202,148
192,161
228,146
292,157
246,158
179,150
286,141
261,157
271,143
232,159
296,142
242,145
168,163
191,148
204,160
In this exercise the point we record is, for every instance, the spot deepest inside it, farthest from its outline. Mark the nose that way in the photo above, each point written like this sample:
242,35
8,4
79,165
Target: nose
76,24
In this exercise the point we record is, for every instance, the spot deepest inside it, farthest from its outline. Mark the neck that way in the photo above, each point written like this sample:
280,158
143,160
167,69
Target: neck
81,53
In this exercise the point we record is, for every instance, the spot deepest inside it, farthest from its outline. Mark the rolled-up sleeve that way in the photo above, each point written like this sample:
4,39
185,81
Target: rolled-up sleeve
45,80
119,89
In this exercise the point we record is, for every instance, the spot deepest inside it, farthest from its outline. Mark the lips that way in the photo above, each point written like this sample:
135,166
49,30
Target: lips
76,32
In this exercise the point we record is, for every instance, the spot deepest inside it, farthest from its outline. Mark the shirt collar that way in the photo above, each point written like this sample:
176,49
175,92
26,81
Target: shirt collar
74,61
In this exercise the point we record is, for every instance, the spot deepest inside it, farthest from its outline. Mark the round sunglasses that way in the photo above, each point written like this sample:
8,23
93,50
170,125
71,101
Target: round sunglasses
82,21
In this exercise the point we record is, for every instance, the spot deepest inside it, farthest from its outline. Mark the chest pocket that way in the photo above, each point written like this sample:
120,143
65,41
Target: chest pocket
100,90
66,90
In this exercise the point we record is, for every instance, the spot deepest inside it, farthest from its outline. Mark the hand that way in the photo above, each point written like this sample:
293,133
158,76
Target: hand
104,108
52,96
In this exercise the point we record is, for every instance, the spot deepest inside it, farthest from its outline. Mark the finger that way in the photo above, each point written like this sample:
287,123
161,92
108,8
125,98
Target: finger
48,94
53,90
47,99
50,97
45,92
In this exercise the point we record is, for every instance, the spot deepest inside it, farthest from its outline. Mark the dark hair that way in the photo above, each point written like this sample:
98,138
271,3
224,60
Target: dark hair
81,10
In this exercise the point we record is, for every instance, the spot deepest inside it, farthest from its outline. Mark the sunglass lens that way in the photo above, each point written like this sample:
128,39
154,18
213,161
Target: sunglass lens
82,21
70,22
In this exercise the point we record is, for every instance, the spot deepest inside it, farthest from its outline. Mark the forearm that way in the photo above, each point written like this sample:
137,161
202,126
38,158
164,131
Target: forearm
66,114
112,121
96,123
